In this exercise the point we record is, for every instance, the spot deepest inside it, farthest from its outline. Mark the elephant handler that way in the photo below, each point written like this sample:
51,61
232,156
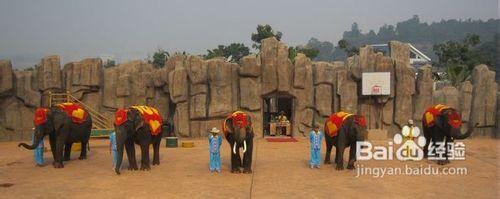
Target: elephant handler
214,142
315,137
410,131
112,148
39,152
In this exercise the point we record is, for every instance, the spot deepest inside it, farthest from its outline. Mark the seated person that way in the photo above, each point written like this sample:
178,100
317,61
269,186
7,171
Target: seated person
283,122
282,117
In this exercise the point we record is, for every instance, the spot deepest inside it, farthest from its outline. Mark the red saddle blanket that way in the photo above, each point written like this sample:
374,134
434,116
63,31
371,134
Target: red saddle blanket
75,111
239,118
336,120
434,112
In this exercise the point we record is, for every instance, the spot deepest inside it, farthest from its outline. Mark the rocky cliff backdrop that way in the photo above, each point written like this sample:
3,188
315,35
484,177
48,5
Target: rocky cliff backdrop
197,94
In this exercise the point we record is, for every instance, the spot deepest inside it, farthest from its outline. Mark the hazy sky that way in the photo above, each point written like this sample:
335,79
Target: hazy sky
130,29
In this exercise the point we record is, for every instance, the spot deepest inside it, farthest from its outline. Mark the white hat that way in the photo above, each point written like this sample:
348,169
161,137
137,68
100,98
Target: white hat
214,130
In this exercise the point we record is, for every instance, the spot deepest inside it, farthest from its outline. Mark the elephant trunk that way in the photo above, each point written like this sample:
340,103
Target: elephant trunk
457,134
37,141
30,147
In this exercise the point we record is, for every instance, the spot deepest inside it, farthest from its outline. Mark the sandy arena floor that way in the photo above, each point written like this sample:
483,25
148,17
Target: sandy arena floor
280,171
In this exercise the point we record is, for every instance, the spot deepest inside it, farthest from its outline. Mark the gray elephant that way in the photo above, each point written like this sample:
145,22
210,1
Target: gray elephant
442,124
343,130
238,131
65,124
140,125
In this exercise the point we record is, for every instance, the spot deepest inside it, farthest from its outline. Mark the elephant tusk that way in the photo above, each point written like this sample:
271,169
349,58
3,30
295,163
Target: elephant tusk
244,146
234,148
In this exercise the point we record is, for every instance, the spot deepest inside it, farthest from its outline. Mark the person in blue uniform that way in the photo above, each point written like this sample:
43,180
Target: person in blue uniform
214,142
39,152
315,137
112,147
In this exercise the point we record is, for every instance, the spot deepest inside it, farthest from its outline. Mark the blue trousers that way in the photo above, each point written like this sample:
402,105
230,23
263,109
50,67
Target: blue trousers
214,161
38,152
114,156
315,157
112,142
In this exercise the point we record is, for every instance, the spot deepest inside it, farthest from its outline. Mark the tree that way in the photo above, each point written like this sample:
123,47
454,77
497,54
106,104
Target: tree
29,69
263,32
325,49
348,48
421,34
159,58
109,63
235,50
311,53
459,58
292,53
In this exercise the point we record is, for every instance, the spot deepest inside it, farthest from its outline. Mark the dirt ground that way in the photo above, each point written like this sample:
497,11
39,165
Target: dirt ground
280,171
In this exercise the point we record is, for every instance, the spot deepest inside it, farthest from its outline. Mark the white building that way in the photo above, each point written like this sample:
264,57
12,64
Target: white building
417,58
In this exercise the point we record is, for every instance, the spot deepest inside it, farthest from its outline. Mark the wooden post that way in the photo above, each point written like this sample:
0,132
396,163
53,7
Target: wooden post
50,99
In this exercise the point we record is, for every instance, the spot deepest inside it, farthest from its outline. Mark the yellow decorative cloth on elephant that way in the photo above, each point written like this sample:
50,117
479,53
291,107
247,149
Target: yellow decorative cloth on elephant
75,111
239,118
151,116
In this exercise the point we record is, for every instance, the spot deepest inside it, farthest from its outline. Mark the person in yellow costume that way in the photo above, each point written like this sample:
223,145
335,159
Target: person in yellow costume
410,132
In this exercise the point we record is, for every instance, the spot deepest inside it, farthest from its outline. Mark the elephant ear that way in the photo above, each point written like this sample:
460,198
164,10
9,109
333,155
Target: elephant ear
227,126
249,127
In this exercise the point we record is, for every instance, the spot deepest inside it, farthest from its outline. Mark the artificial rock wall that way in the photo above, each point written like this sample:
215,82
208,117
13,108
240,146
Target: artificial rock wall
197,94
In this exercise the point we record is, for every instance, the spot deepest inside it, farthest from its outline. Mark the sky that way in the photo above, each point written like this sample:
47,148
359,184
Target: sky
130,29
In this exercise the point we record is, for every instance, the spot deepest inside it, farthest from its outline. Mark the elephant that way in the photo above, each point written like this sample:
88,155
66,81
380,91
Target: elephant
239,133
440,124
133,128
351,129
62,131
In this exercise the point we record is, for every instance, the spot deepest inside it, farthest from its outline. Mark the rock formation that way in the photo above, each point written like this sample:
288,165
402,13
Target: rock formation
197,94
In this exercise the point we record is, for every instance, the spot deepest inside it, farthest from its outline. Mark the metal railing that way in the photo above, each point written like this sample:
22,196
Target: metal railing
99,121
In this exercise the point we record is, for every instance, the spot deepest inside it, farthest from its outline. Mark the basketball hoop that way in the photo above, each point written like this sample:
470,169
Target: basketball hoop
376,83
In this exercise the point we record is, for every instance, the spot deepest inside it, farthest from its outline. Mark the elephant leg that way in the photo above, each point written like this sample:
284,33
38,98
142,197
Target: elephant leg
427,136
247,157
67,151
352,156
439,140
339,157
83,152
329,146
145,156
52,142
235,160
339,151
448,141
130,148
156,150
